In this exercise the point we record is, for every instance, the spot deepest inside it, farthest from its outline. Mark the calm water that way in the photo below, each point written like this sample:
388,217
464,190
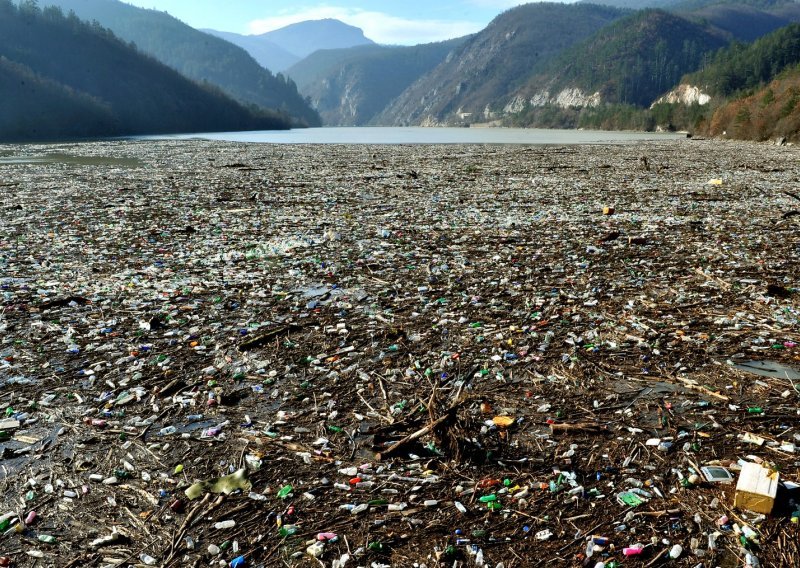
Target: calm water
418,135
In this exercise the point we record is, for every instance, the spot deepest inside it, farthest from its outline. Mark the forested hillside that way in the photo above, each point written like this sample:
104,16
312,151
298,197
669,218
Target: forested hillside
745,66
62,77
495,62
199,56
633,60
755,88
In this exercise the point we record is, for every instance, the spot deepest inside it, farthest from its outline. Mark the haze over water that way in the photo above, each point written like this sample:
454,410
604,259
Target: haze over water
420,135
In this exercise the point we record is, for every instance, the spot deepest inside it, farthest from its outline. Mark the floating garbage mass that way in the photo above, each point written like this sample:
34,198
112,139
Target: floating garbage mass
220,354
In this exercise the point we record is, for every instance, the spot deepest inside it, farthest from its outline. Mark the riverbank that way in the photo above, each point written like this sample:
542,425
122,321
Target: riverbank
409,354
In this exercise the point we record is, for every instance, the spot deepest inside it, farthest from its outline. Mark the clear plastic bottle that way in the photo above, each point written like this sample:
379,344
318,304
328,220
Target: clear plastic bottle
675,551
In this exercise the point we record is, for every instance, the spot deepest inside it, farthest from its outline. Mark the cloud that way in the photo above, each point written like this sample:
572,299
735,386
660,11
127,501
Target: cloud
378,26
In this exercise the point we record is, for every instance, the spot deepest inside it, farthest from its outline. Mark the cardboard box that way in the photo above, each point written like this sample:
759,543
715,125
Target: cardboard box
756,489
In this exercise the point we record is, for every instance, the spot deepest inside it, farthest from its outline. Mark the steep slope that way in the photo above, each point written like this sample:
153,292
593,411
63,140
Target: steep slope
771,112
743,20
496,61
304,38
631,61
348,87
195,54
62,78
36,108
746,91
268,54
742,67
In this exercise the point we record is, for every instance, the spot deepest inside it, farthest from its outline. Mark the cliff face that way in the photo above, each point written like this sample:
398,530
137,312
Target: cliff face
348,87
487,68
685,94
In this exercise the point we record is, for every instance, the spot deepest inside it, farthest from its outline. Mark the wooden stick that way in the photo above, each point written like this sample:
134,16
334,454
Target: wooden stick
421,432
411,437
692,385
589,427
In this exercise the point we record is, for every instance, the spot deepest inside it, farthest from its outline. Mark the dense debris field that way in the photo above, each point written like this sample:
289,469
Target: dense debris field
219,354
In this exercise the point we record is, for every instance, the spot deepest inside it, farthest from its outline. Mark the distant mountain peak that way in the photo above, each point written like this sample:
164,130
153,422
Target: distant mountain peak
277,50
304,38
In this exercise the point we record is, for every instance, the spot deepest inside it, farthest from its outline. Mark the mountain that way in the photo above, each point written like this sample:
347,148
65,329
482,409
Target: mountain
773,111
744,91
304,38
348,87
496,61
752,91
195,54
632,61
268,54
634,4
64,78
744,20
280,49
742,67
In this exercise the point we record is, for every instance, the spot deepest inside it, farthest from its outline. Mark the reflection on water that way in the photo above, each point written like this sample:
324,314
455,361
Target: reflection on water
419,135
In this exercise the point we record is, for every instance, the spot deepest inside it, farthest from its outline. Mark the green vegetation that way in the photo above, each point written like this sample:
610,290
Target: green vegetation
350,86
635,60
515,46
742,67
197,55
755,88
630,63
770,111
743,22
63,78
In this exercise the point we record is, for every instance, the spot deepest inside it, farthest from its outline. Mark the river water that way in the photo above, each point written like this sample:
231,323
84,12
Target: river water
419,135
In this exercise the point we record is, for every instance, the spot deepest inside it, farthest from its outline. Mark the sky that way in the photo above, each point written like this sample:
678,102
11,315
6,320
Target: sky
400,22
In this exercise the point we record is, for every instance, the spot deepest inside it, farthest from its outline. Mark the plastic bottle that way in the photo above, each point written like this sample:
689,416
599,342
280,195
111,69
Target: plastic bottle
633,550
712,541
751,560
147,559
316,549
676,551
229,524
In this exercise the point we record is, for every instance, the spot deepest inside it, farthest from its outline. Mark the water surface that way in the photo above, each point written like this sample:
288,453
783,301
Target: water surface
420,135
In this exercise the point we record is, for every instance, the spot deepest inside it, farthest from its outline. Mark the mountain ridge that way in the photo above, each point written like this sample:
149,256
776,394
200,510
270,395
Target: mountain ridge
493,62
65,78
279,49
349,87
197,55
